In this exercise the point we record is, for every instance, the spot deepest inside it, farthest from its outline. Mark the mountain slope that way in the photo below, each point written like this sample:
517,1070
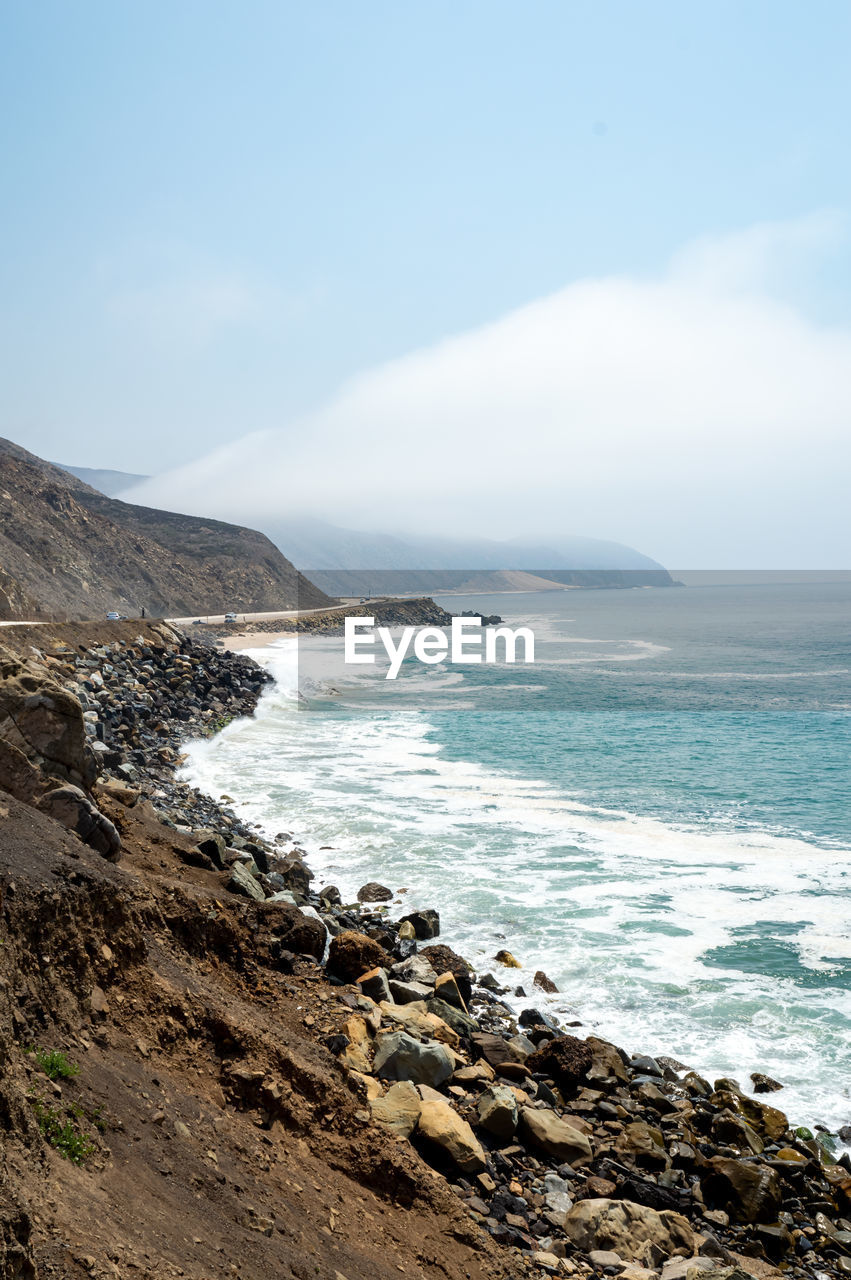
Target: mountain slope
322,546
67,550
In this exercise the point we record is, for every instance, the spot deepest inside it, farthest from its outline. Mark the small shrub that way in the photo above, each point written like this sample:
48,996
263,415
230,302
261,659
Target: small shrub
62,1133
56,1065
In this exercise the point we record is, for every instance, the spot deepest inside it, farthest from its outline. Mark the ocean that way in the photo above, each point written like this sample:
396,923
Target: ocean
656,813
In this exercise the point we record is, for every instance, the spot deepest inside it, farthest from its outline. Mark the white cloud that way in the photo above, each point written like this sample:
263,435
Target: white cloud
700,416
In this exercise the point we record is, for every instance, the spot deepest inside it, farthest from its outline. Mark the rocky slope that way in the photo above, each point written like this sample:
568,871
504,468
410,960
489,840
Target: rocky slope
251,1100
68,551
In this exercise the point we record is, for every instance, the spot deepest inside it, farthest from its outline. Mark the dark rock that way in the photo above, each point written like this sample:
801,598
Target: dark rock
213,845
747,1191
73,809
444,960
543,983
425,923
351,955
565,1059
374,984
295,931
764,1084
374,892
243,884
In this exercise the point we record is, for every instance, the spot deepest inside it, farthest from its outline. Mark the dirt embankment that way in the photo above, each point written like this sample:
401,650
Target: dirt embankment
166,1103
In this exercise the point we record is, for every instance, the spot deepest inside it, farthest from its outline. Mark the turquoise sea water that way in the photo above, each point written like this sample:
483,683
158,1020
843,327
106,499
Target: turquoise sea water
656,812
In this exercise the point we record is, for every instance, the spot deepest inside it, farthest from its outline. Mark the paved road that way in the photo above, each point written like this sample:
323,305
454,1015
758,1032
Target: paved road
256,617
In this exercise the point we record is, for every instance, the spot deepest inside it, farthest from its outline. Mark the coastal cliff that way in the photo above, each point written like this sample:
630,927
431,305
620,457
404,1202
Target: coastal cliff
210,1065
67,551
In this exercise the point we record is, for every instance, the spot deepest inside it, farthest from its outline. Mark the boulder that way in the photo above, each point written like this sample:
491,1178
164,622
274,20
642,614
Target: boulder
627,1229
399,1056
644,1143
547,1132
73,809
748,1192
425,923
446,988
491,1047
418,1021
295,874
504,957
461,1023
444,1128
414,969
295,931
565,1059
543,983
356,1054
444,960
374,984
768,1122
353,954
374,892
497,1111
408,992
399,1109
213,845
764,1084
607,1064
44,726
242,882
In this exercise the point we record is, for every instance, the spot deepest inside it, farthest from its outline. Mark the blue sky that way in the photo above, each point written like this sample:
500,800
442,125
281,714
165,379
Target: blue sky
216,214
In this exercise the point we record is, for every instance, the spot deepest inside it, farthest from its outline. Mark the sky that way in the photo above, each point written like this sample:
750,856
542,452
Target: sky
460,267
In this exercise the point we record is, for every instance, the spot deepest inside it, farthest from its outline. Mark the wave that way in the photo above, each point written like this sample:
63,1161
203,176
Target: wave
694,940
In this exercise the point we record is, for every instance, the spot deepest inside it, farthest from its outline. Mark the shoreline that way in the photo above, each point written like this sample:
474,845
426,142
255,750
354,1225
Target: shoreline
570,1008
532,1129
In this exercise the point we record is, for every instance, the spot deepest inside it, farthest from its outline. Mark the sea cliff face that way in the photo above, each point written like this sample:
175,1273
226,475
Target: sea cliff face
210,1061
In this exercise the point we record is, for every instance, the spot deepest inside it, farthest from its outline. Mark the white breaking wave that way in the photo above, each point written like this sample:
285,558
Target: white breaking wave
646,926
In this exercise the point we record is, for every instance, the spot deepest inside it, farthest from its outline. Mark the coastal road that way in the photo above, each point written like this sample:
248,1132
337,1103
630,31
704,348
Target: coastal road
268,617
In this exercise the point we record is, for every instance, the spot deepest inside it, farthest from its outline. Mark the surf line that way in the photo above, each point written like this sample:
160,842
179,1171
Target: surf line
431,644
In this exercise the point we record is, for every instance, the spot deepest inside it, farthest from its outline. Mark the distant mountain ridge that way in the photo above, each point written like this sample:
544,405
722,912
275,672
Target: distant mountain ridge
351,562
67,551
111,483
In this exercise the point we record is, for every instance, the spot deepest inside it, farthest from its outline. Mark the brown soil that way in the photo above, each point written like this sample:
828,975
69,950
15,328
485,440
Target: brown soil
231,1143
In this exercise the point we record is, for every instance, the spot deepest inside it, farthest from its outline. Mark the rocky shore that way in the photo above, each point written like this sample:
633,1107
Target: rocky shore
354,1042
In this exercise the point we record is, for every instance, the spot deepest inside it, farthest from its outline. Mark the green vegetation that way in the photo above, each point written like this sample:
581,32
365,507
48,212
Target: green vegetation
63,1132
222,722
55,1064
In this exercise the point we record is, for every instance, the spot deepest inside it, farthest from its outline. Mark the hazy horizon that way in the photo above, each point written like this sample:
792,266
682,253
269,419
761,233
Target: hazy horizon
460,272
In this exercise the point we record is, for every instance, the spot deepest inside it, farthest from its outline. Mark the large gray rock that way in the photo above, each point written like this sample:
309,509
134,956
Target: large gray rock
461,1023
497,1109
42,723
627,1228
242,882
72,807
546,1131
399,1109
408,992
399,1056
414,969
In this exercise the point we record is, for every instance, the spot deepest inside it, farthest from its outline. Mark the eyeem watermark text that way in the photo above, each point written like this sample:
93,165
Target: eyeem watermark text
432,644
